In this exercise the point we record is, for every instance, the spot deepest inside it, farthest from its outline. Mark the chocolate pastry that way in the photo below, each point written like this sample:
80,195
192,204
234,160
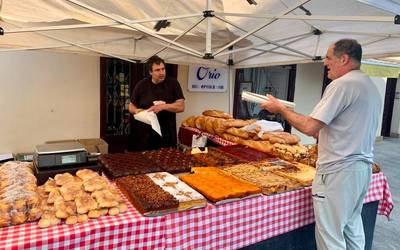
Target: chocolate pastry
133,163
145,195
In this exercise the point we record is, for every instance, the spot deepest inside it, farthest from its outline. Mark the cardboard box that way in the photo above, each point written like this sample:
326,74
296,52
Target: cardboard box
95,145
92,145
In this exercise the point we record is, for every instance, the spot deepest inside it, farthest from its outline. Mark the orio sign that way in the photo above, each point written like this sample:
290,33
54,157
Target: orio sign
207,79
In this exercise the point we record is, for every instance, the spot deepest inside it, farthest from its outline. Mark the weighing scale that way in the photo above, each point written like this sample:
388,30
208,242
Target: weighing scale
59,154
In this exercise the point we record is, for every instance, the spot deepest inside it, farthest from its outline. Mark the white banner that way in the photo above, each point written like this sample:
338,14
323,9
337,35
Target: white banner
207,79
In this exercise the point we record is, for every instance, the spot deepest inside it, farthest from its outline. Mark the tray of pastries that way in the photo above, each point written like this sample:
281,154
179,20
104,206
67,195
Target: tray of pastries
246,153
219,187
170,160
256,173
293,170
78,198
123,164
159,193
214,157
19,197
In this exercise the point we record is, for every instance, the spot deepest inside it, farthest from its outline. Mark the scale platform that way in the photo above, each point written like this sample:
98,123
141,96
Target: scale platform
59,154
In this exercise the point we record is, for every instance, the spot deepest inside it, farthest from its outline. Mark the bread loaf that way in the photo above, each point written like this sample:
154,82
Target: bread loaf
281,137
209,124
238,132
231,138
263,146
238,123
200,122
217,114
219,126
189,122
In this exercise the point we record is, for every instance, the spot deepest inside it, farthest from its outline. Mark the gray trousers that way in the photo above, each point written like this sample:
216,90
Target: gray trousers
338,200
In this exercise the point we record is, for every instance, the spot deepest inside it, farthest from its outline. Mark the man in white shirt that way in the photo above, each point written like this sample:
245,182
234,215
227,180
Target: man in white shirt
345,122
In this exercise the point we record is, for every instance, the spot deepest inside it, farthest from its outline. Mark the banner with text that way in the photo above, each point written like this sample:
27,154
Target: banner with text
207,79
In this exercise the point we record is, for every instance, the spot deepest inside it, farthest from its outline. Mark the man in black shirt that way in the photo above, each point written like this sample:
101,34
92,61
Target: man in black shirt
163,96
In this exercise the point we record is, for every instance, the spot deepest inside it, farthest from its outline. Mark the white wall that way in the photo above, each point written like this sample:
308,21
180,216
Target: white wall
395,126
197,102
308,88
47,96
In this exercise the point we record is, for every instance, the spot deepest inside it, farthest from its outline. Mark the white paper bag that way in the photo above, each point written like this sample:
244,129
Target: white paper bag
149,117
265,126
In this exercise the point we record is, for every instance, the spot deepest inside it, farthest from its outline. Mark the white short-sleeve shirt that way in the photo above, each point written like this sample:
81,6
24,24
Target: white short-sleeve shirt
350,108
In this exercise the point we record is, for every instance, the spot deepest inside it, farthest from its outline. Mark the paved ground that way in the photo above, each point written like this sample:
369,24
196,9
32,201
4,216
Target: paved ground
387,233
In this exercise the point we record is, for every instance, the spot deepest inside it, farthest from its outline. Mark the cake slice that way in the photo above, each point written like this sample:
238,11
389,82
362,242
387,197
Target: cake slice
269,182
296,171
187,197
146,195
217,185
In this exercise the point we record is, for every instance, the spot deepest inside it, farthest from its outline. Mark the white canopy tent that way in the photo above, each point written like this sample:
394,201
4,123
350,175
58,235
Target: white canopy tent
271,32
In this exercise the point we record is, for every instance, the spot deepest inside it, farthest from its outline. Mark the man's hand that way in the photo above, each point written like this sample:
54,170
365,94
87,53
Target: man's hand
272,105
157,108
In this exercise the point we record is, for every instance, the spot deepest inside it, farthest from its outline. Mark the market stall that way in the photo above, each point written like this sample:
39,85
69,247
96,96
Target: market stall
227,226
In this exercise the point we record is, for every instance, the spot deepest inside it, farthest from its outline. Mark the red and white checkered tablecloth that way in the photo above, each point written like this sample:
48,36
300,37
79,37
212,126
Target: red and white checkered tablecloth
242,223
127,231
379,190
215,138
228,226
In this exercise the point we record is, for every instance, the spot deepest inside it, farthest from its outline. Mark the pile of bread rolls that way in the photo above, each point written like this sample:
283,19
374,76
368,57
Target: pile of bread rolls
78,198
19,199
281,144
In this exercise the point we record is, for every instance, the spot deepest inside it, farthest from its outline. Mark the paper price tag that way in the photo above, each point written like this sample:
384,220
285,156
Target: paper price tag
199,141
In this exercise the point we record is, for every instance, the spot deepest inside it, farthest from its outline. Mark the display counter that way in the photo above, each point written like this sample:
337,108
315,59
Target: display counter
227,226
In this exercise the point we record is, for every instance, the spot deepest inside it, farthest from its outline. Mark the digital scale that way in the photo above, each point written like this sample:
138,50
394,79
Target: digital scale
59,154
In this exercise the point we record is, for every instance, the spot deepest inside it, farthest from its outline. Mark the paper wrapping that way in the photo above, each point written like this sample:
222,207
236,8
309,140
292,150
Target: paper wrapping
149,117
256,98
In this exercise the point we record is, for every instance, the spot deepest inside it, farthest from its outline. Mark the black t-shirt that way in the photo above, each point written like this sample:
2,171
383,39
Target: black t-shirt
143,96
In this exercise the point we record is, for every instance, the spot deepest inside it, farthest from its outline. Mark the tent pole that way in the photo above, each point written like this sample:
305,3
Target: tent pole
259,27
259,45
82,46
169,46
177,38
85,47
394,35
314,17
231,82
135,27
267,40
65,46
270,50
373,41
209,29
82,26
